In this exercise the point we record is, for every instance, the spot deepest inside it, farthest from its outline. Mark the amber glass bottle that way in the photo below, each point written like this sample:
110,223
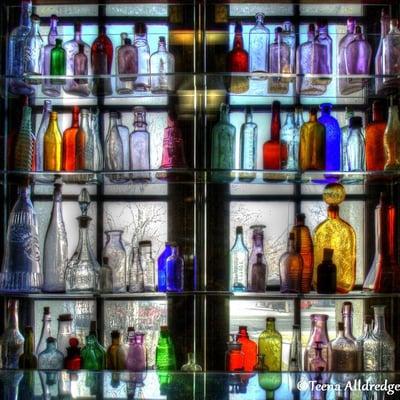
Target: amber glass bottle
115,357
312,144
374,148
326,274
270,346
304,246
52,145
69,142
336,234
28,360
391,139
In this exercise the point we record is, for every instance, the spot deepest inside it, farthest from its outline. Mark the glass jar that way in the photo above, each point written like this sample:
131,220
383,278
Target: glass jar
64,332
147,265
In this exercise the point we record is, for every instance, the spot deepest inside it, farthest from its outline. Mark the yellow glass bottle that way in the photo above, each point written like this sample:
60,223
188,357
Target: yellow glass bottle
52,145
312,144
336,234
270,347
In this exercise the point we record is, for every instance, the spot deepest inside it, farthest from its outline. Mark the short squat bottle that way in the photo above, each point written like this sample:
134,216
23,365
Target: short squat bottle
51,358
326,274
136,356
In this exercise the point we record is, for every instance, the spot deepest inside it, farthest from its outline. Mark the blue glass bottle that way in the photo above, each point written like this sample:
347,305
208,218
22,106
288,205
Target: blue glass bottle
174,269
162,267
332,138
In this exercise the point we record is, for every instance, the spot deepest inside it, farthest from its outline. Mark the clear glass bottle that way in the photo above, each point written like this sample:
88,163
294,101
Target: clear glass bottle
46,330
139,147
106,277
374,142
279,63
115,355
344,352
344,41
367,334
81,70
391,140
291,136
114,250
147,265
258,275
114,152
223,146
51,358
57,63
324,39
12,341
142,82
28,360
355,146
84,150
122,86
136,360
64,333
127,67
48,88
136,278
345,132
347,318
162,268
55,247
385,21
391,56
288,37
21,270
270,346
124,133
52,145
290,269
33,52
249,348
175,267
248,148
162,67
191,365
44,123
239,258
295,350
25,143
257,248
259,47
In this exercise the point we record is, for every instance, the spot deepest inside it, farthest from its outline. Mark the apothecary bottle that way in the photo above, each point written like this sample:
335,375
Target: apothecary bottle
344,41
48,88
142,82
114,152
25,143
165,351
139,147
115,355
347,318
28,360
326,274
324,39
46,330
12,341
257,248
385,21
279,64
234,356
355,146
51,358
258,275
345,131
147,265
52,145
290,269
291,136
295,350
191,365
288,37
127,66
175,266
69,142
21,271
93,354
391,140
136,278
248,148
259,47
106,277
84,146
39,145
239,257
55,247
374,139
249,349
33,53
64,333
81,70
162,67
391,56
136,360
270,346
57,63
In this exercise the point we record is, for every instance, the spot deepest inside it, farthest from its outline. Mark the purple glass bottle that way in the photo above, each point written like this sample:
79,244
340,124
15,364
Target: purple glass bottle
136,357
324,39
162,267
174,271
346,39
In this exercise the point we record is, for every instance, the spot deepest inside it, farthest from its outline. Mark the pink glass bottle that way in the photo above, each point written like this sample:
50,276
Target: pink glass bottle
136,357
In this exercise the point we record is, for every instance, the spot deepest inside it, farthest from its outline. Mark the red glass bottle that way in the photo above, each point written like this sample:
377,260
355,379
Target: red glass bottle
249,349
234,357
73,361
374,146
274,151
69,142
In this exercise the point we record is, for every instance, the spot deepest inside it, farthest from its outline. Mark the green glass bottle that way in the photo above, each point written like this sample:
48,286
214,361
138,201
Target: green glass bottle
270,346
57,62
93,354
28,360
270,382
165,352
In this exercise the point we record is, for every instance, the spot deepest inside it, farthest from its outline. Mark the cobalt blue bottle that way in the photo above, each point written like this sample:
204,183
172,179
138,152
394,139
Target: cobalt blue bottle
162,267
174,268
332,138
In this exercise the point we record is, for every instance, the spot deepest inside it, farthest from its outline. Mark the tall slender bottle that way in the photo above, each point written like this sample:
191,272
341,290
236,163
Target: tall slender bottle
259,47
279,63
52,145
257,248
98,162
69,142
374,139
347,318
391,140
25,143
175,271
295,350
239,257
84,147
162,67
122,86
345,131
81,70
114,152
324,39
47,87
379,53
142,82
33,53
355,147
28,360
290,136
57,62
162,270
248,147
46,330
39,147
270,346
367,333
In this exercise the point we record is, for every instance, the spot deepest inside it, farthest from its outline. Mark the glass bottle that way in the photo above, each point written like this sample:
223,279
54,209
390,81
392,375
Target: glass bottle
114,250
234,356
139,147
239,258
55,247
355,146
347,318
122,86
106,277
69,142
332,138
52,145
28,360
391,56
136,357
258,275
98,163
12,341
312,144
344,352
136,279
162,67
33,52
270,382
290,136
57,62
257,248
115,356
101,60
142,82
288,37
81,275
25,143
191,365
44,123
290,269
345,132
303,245
324,39
248,148
295,350
162,271
73,360
275,151
81,70
279,63
147,266
223,146
259,47
51,358
326,274
336,234
318,363
270,346
124,135
391,139
374,139
385,20
93,354
64,333
165,351
84,146
238,62
127,64
318,335
344,41
47,87
175,271
249,349
71,49
46,330
367,334
16,52
21,270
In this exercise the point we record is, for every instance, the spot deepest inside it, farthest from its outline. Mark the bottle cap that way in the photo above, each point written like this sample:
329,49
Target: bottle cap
145,243
238,27
164,328
28,329
50,340
46,310
115,335
131,329
128,41
300,218
242,327
53,115
140,28
313,111
296,326
340,326
270,319
73,342
58,41
105,260
65,317
328,254
356,122
239,230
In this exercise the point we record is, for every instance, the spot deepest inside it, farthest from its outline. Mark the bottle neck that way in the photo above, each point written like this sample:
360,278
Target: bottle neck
384,27
75,119
191,358
26,119
65,328
53,33
238,41
13,317
36,27
313,117
289,119
270,326
116,341
333,212
162,46
25,19
78,35
243,333
340,334
377,115
85,122
291,246
348,325
258,243
367,328
84,252
28,344
379,321
275,124
51,346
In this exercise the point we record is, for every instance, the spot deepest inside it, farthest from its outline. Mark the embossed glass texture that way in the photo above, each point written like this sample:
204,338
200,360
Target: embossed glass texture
259,46
33,51
142,83
162,64
239,257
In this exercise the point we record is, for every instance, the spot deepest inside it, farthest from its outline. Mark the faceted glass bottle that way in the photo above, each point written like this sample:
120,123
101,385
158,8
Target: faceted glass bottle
69,142
165,351
44,123
249,349
391,140
391,56
385,20
326,274
257,248
279,63
93,354
259,47
46,330
148,266
142,82
57,62
136,360
290,269
345,131
52,145
116,356
258,275
355,146
51,358
332,138
338,235
270,346
64,333
346,39
295,350
290,136
312,144
25,143
248,148
114,152
175,271
81,70
33,52
55,247
347,318
84,145
344,352
191,365
239,257
162,270
374,139
127,66
162,67
28,360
